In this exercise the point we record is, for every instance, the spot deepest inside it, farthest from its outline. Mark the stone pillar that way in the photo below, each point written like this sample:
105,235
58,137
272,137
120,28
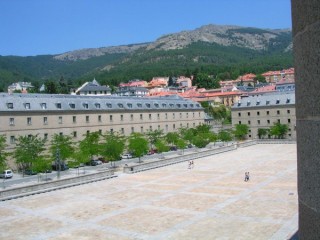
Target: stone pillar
306,48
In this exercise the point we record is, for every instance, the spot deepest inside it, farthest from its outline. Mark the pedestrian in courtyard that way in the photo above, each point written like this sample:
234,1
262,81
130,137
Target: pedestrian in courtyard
189,165
246,176
192,164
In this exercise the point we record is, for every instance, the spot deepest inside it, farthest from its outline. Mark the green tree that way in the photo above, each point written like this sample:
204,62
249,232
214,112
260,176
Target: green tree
153,136
3,153
113,146
241,131
279,130
63,144
172,138
199,141
89,146
262,132
181,144
138,145
187,134
161,146
51,87
28,153
224,136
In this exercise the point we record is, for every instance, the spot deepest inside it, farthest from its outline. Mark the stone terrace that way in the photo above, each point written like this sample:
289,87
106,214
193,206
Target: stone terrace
210,201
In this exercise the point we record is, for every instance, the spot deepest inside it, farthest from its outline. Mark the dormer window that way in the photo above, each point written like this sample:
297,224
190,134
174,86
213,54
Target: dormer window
156,105
72,105
58,105
185,105
43,105
288,100
139,105
97,105
267,102
10,105
278,101
239,103
109,105
178,105
129,105
120,105
198,105
191,105
27,105
86,105
148,105
258,102
171,105
248,103
164,105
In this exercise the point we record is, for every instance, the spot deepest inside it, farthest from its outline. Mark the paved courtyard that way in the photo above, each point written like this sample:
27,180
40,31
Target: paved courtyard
210,201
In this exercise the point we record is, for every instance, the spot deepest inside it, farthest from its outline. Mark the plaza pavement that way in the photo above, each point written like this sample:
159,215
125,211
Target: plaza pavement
210,201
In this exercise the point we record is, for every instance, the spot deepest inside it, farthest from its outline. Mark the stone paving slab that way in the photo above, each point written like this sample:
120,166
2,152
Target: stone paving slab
210,201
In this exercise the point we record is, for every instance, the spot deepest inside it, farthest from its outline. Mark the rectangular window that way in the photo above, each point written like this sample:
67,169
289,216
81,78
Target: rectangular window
132,129
100,131
60,120
187,115
87,119
141,117
289,120
158,127
248,113
74,119
27,105
268,112
167,127
180,115
141,129
194,124
268,121
166,115
43,105
149,116
131,117
239,114
74,134
150,128
11,121
258,113
158,116
45,120
88,132
45,136
12,139
192,114
10,105
58,105
99,118
174,126
173,115
249,122
29,121
61,133
239,122
122,130
278,112
288,111
111,118
121,117
278,120
111,130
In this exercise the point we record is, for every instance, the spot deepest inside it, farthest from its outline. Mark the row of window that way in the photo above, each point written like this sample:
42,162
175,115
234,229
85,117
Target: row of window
87,118
122,130
267,113
109,105
268,121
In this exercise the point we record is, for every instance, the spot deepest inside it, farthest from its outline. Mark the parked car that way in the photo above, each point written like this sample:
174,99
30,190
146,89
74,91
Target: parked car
6,174
152,151
29,172
173,148
93,162
126,156
63,167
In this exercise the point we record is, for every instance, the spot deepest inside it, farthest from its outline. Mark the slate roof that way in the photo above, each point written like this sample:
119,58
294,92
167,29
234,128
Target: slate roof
266,100
54,102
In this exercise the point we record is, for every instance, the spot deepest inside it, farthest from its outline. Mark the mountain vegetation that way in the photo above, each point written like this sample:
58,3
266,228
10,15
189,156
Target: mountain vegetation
222,52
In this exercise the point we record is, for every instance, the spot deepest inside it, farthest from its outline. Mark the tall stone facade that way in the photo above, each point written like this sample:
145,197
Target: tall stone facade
306,46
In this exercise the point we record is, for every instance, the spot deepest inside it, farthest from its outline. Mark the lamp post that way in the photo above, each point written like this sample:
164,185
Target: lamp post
58,165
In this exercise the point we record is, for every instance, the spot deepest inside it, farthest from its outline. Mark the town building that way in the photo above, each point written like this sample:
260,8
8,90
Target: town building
73,115
92,89
262,111
20,86
275,76
132,91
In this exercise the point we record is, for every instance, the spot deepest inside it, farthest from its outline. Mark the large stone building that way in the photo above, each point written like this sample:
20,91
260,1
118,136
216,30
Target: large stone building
262,111
45,114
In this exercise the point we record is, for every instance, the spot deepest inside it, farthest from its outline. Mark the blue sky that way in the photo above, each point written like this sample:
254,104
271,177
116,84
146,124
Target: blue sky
35,27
